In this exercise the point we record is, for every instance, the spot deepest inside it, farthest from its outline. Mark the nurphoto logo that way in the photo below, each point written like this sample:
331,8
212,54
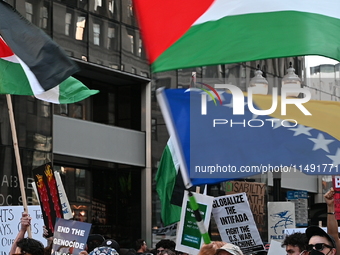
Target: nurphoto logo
238,100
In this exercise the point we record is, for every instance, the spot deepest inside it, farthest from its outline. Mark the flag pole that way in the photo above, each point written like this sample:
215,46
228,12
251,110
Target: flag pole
17,158
198,217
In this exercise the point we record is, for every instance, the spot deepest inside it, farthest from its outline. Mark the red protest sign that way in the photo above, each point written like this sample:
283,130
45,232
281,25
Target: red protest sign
336,187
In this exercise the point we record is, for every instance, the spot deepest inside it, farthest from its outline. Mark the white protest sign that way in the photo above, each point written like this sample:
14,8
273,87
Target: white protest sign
235,222
276,249
281,215
65,205
189,239
10,225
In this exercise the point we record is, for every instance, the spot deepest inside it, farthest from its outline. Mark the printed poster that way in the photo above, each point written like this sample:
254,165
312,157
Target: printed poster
10,225
48,196
235,222
189,238
281,215
70,237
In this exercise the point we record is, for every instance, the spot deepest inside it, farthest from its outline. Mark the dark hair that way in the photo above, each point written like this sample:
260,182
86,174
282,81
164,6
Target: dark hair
166,244
168,251
296,239
139,243
30,245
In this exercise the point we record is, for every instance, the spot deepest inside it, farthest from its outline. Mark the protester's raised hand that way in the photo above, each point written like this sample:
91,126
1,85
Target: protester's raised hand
329,197
25,221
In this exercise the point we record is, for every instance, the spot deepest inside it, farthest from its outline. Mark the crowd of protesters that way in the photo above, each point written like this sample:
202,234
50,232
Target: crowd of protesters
315,241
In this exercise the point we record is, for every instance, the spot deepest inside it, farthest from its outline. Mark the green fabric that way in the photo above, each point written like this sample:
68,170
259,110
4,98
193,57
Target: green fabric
165,182
251,37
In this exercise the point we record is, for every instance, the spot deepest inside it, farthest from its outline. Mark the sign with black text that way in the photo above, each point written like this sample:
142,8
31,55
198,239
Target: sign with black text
235,222
10,225
70,236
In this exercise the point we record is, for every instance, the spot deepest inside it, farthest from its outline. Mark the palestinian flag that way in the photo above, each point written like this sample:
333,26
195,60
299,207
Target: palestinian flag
16,78
183,34
165,183
170,185
31,63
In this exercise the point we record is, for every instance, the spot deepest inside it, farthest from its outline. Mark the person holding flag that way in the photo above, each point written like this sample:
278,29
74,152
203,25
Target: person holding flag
22,245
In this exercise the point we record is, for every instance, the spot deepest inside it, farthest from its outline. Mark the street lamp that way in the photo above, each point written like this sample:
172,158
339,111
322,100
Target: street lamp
259,83
291,81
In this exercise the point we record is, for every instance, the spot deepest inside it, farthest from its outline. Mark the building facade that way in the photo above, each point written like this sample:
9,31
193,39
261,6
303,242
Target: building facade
101,145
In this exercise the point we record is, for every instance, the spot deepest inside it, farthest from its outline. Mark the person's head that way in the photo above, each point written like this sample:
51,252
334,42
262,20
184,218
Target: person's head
229,249
93,241
168,252
104,251
165,244
319,242
295,244
141,245
111,243
210,249
29,246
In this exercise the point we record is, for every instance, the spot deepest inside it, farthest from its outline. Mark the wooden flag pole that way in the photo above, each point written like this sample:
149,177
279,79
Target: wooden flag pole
17,158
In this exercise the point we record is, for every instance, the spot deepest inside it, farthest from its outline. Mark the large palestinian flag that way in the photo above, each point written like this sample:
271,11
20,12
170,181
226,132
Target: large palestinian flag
31,63
182,34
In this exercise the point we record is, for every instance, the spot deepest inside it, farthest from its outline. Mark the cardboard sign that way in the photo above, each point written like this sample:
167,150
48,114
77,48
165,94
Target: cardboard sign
10,225
256,194
235,222
70,237
48,196
336,187
189,238
281,215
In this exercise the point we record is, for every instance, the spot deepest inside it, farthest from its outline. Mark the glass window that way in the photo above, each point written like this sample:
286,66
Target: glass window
97,3
29,11
81,22
43,17
96,34
130,9
112,6
68,18
110,38
131,43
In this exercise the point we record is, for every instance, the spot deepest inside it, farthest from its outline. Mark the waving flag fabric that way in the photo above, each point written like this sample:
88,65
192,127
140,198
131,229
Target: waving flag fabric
245,145
182,34
31,63
165,183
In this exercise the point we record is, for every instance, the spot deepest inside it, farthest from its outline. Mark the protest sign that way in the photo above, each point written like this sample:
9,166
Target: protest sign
48,196
300,199
189,238
168,232
70,236
10,225
336,187
236,223
281,215
65,205
276,249
256,194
